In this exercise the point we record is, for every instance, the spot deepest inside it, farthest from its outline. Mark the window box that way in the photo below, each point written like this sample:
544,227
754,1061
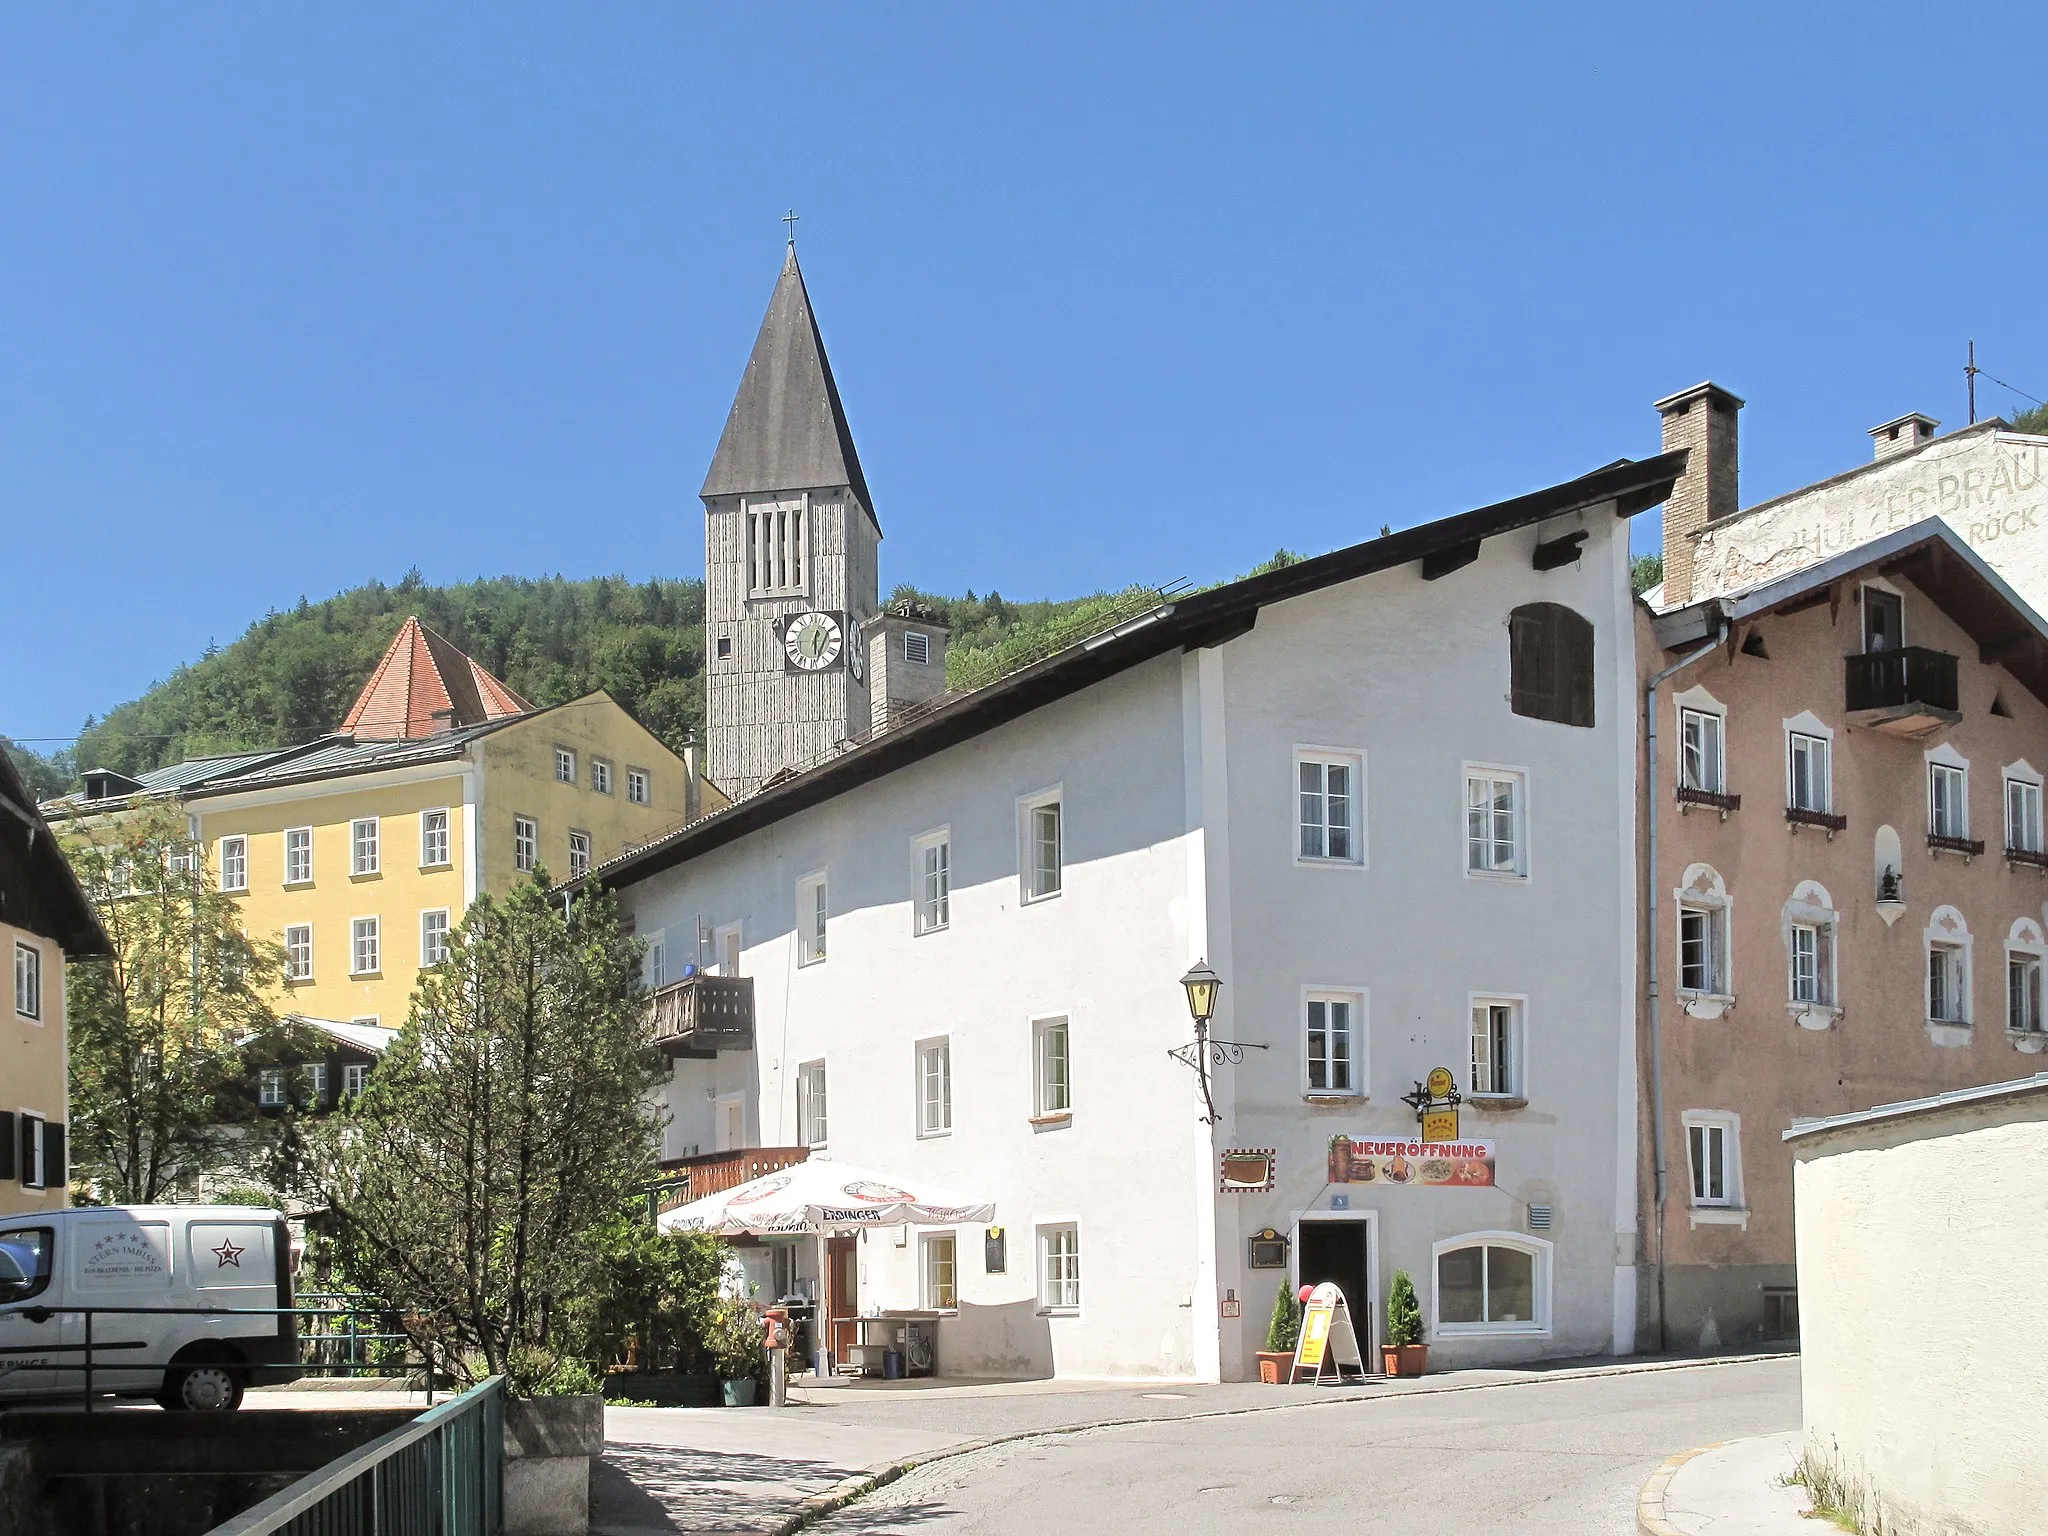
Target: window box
2031,857
1799,816
1709,799
1968,847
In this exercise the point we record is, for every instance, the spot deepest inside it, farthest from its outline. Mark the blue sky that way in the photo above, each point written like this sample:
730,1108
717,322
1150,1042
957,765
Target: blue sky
298,297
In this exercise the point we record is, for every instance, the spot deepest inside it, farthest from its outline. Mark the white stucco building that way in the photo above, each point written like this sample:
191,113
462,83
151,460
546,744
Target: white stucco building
1387,794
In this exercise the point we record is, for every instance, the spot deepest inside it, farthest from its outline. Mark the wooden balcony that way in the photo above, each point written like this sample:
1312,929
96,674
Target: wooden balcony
703,1015
1909,692
710,1173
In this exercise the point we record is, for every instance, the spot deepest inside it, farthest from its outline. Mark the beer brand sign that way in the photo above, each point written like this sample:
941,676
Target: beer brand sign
1456,1164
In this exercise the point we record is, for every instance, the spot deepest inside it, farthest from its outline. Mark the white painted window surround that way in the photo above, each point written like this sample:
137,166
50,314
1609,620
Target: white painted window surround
935,1087
1948,792
1041,844
938,1256
1490,1283
1059,1266
2026,957
1809,763
234,864
1809,924
434,844
1702,722
1495,809
931,865
1052,1064
1949,981
1713,1150
298,952
812,1119
1499,1032
1334,1063
298,855
812,912
1329,806
1703,962
2023,829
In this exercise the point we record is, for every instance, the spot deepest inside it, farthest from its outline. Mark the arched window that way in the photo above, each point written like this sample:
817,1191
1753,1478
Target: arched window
1492,1282
1550,662
1949,1013
1810,922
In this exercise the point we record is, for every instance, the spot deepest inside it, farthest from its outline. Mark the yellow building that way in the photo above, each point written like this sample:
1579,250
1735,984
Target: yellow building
359,852
45,920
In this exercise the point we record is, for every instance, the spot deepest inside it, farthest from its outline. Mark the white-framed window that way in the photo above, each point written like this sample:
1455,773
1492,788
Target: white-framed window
1053,1084
2023,991
932,861
1495,821
433,936
1809,780
362,845
935,1087
234,864
1702,750
565,765
434,846
600,775
1497,1047
298,952
2023,809
579,854
355,1075
1805,963
1042,853
1333,1036
365,947
813,1123
1329,806
1491,1282
184,858
316,1082
1948,968
639,786
1948,799
525,844
917,647
1713,1154
34,1139
272,1090
1811,923
813,910
298,856
1701,947
28,980
1059,1266
776,535
937,1270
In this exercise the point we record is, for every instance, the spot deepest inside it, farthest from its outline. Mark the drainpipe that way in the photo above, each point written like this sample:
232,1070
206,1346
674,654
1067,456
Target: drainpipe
1654,987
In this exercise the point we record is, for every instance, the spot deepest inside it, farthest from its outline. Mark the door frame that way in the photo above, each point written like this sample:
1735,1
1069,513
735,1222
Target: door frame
719,1107
1893,599
1369,1340
836,1244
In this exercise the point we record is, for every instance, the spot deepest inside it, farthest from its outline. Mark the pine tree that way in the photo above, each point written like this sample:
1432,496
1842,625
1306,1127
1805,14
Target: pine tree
1404,1312
1283,1330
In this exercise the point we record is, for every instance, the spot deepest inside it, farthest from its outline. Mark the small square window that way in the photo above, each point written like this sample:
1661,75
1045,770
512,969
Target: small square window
638,786
1494,821
812,911
298,952
579,855
365,947
434,846
525,844
362,840
565,765
234,864
934,1087
28,980
725,647
600,775
1053,1090
1043,850
298,856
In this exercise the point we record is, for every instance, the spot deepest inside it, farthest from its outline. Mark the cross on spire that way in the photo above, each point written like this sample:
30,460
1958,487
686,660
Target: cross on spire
789,220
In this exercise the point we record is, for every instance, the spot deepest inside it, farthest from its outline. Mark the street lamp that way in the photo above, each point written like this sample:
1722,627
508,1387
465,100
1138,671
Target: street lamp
1202,985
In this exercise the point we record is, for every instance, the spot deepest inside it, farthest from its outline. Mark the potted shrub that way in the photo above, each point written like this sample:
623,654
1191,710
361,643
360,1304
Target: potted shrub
1283,1332
1404,1353
734,1340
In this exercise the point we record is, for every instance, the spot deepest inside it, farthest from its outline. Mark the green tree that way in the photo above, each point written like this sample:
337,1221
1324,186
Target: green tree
1404,1311
2033,420
507,1122
1283,1329
654,1306
1645,572
159,1092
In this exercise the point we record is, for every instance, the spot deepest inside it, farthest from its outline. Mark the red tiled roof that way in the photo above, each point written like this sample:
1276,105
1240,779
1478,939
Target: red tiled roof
425,685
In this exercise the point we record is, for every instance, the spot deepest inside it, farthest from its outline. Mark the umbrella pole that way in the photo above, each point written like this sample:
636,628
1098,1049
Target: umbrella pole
823,1311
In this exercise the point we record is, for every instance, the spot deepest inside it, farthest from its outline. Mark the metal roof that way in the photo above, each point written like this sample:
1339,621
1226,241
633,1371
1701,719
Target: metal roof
787,430
1987,1093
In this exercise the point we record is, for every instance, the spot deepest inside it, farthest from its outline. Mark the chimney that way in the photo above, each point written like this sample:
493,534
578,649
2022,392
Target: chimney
1700,420
693,788
1903,435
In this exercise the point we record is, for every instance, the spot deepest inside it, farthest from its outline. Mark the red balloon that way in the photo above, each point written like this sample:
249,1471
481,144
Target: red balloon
1306,1292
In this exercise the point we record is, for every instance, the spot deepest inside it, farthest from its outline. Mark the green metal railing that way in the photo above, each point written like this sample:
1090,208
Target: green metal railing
441,1475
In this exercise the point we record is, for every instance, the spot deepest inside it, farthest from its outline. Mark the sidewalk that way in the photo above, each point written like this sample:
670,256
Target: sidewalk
1737,1489
703,1470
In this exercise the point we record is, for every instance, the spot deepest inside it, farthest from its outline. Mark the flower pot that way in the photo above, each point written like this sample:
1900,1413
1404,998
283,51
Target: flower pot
1404,1359
1273,1368
738,1394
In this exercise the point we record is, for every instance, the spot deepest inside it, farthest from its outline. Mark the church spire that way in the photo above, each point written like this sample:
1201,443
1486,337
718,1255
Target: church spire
787,430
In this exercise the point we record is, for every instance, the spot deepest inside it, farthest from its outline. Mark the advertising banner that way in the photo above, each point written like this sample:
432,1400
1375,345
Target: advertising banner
1456,1164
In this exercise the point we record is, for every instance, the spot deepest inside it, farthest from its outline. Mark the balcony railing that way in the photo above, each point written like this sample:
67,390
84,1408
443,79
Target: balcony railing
1900,680
711,1173
703,1015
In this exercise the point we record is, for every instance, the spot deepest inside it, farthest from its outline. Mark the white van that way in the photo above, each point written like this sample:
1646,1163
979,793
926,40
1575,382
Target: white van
146,1273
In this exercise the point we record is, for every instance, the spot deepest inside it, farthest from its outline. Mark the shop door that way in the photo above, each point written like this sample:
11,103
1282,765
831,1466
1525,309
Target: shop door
1334,1251
842,1294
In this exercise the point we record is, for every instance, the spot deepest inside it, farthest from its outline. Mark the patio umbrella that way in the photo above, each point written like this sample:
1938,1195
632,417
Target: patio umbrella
819,1196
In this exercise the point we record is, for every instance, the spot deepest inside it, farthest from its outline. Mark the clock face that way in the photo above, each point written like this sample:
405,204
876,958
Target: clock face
856,651
812,641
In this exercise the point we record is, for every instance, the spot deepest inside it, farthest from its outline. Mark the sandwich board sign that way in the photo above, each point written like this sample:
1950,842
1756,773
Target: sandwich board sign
1328,1341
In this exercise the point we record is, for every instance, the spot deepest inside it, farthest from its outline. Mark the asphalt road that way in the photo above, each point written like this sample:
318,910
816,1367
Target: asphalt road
1549,1456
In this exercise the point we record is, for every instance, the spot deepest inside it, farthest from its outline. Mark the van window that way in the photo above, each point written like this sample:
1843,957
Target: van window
122,1255
24,1262
229,1253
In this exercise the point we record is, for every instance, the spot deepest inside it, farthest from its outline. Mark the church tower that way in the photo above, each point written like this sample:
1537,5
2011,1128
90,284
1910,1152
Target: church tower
791,546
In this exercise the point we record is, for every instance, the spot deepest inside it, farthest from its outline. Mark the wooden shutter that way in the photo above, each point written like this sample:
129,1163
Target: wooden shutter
6,1143
55,1174
1550,664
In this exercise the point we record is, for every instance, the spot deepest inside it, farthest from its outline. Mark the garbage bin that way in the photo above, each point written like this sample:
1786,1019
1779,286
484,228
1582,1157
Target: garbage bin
892,1365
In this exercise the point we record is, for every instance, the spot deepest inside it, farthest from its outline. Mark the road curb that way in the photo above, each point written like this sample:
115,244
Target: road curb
846,1491
1650,1519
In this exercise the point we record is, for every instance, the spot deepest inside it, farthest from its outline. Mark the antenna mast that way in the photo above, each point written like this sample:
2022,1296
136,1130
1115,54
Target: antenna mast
1970,372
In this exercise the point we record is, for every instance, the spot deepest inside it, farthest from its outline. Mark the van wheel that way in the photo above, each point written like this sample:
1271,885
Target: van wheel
201,1389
